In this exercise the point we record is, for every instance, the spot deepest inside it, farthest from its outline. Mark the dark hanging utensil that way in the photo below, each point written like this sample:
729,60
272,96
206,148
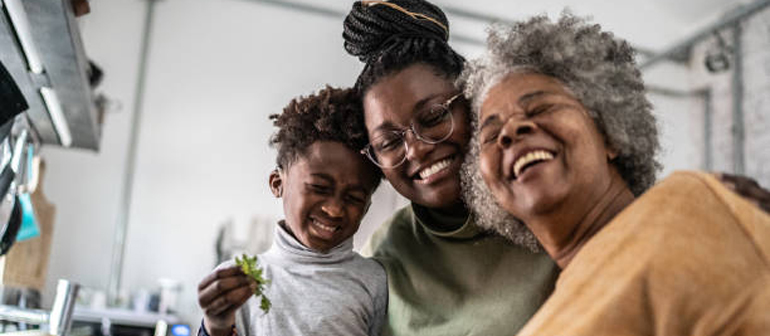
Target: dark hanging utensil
11,229
6,178
12,101
9,206
718,56
5,130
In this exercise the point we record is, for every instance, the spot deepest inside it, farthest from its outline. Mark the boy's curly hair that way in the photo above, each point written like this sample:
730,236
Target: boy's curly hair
332,114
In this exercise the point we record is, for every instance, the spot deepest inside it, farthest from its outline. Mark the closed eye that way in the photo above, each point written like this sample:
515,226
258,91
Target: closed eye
549,106
355,199
540,109
387,145
319,189
490,135
436,115
490,129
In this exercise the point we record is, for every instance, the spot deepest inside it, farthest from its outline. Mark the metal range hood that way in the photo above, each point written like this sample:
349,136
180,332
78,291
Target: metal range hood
40,46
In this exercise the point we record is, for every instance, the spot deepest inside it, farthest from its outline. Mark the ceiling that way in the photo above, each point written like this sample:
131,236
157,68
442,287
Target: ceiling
652,25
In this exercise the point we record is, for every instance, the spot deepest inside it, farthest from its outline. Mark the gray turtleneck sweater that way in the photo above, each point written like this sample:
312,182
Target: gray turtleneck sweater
335,293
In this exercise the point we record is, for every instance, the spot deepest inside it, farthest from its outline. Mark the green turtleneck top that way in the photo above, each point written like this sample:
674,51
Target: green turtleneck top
460,282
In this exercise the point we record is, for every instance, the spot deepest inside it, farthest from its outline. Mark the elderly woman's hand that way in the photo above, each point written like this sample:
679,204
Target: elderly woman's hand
748,188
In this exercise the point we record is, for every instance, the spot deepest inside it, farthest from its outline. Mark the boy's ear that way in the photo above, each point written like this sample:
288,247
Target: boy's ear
276,183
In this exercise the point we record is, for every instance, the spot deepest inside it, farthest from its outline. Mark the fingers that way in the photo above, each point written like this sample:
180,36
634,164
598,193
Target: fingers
748,188
221,287
765,206
220,273
229,301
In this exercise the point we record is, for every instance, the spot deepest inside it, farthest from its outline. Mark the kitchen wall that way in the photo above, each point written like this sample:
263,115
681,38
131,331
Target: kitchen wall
682,119
84,186
756,101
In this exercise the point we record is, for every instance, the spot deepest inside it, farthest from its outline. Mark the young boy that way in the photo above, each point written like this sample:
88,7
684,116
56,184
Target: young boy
318,285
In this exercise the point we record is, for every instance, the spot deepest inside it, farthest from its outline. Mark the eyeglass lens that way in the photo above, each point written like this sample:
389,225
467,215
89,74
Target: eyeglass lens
431,126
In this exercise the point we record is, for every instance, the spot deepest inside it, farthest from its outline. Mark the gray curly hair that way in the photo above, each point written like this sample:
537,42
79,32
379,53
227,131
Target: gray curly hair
594,65
486,212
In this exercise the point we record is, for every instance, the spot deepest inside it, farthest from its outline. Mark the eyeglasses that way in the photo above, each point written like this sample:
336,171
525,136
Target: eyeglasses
432,125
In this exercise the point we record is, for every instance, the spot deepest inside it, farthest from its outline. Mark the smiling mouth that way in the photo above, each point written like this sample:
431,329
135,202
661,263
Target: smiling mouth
530,159
433,169
324,227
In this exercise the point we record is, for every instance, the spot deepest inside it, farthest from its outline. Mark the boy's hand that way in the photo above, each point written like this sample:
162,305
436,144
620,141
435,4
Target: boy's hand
220,294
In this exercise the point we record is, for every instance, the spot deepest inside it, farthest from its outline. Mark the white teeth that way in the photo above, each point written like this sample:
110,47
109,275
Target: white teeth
435,168
324,227
538,155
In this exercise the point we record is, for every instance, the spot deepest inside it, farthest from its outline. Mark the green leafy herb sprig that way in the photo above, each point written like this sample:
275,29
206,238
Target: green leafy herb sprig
249,267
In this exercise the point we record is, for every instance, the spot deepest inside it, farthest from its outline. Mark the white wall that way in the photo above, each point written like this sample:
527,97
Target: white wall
757,96
756,104
84,186
679,117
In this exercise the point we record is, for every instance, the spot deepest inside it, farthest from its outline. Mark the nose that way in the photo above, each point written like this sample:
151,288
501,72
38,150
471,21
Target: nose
513,130
415,149
333,208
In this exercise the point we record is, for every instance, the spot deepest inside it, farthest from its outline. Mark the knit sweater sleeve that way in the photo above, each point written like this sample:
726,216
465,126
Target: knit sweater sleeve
380,299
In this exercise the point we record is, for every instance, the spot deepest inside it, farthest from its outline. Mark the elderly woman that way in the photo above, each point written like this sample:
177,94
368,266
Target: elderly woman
565,141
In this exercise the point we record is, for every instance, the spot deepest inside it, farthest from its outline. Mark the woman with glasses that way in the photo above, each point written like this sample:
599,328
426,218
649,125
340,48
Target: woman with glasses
445,275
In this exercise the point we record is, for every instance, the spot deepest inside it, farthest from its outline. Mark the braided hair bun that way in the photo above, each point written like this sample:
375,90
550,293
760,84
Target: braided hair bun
370,26
391,35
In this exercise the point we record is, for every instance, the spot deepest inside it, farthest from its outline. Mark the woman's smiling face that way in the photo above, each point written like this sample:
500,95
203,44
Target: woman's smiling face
540,151
430,174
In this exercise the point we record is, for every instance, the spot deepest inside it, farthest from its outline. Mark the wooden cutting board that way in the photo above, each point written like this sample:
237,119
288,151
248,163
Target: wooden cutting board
26,264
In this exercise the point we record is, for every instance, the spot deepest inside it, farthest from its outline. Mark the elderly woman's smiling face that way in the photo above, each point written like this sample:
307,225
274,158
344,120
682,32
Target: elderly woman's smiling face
541,153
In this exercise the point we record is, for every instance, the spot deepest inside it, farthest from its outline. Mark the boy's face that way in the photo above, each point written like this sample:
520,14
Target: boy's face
325,194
